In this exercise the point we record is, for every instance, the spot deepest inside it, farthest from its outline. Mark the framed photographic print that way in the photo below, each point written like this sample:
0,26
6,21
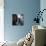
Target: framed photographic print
18,19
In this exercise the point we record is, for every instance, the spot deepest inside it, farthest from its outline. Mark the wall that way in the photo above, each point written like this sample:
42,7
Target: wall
43,6
1,20
28,8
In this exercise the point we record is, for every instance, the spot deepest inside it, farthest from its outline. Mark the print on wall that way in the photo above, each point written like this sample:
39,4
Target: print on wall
18,19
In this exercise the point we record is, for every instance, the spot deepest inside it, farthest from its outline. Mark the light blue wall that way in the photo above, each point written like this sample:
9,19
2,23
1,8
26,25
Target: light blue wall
28,8
43,6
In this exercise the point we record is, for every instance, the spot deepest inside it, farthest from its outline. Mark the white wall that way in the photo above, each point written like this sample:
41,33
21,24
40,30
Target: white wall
1,20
